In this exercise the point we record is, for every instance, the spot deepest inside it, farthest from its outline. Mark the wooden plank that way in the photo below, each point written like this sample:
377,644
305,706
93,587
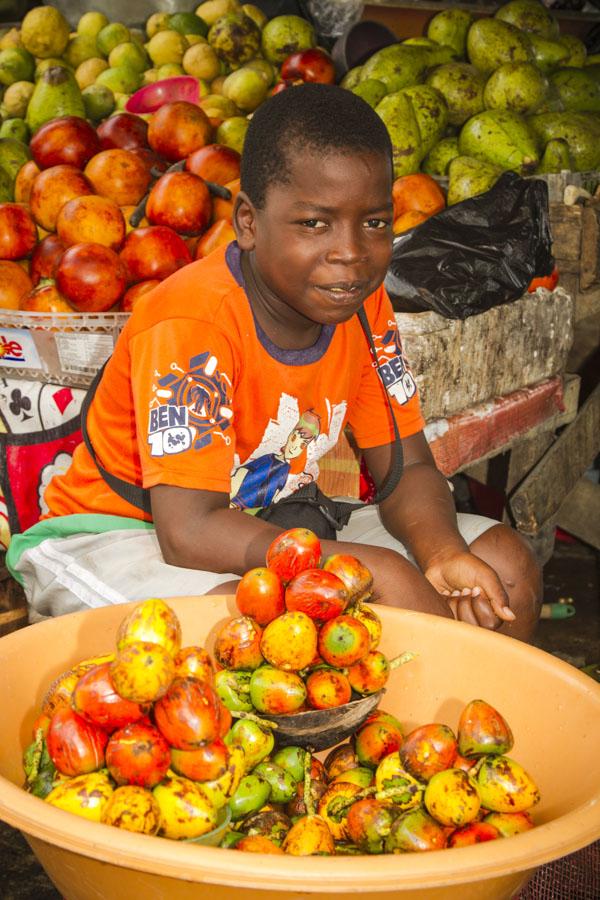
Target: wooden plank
579,513
587,303
590,247
565,225
541,494
12,620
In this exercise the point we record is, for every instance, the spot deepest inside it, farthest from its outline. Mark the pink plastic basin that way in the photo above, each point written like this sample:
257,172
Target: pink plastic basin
152,96
553,709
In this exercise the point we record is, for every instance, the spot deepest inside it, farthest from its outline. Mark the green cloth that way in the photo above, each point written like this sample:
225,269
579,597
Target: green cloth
63,527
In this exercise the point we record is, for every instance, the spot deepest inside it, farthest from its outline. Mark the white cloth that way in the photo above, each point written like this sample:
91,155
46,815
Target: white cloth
63,575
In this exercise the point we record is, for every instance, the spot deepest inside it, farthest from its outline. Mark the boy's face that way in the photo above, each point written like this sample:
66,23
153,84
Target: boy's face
322,243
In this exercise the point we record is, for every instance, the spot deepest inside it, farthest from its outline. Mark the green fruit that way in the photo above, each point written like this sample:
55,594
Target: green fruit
56,94
16,64
246,88
170,70
120,80
99,101
529,15
291,760
284,35
577,89
188,23
80,48
15,128
235,38
233,689
232,132
16,98
283,786
7,194
502,138
547,54
468,177
397,66
130,55
14,153
575,48
256,741
45,32
437,161
413,831
112,34
276,692
450,27
351,78
91,23
265,68
397,114
581,131
431,113
593,70
482,730
45,64
462,86
556,158
252,793
490,43
520,87
371,91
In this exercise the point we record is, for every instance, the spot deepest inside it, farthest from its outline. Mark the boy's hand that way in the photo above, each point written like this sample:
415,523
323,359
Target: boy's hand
474,591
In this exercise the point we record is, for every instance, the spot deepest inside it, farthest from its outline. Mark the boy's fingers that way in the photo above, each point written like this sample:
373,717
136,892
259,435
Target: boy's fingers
465,611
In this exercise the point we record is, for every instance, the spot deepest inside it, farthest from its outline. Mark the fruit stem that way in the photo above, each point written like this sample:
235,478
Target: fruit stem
242,714
403,658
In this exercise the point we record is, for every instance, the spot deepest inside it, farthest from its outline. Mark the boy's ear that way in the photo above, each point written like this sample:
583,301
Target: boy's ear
244,221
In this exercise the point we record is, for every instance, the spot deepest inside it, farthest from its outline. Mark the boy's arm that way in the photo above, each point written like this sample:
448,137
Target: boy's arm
198,530
421,514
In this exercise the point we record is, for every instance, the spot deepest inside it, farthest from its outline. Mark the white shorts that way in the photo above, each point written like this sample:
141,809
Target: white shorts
63,575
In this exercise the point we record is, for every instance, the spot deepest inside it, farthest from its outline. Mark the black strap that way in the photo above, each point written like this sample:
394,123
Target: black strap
140,497
137,496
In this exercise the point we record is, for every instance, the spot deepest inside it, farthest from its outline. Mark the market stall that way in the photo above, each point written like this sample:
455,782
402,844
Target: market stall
120,147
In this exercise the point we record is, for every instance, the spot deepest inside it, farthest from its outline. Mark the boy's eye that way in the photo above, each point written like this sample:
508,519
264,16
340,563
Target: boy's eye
379,224
312,223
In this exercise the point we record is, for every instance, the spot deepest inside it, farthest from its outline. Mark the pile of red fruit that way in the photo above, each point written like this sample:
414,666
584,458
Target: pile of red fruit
305,639
69,243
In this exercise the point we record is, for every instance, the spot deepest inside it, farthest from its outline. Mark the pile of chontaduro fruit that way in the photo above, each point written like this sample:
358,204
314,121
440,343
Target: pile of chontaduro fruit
143,739
306,639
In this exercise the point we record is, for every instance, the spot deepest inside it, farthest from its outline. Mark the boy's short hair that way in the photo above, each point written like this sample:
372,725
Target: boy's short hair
316,117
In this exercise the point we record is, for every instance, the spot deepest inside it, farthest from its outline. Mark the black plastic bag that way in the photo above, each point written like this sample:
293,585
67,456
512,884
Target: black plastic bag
480,253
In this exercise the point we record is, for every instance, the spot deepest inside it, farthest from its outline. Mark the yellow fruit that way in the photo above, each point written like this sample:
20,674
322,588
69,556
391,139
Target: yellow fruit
289,642
150,76
166,47
451,797
16,97
201,61
216,86
91,23
110,36
195,39
504,785
152,621
170,70
88,71
129,54
212,10
84,795
49,63
391,775
256,14
133,809
221,789
11,39
142,672
246,88
158,21
45,32
185,810
232,132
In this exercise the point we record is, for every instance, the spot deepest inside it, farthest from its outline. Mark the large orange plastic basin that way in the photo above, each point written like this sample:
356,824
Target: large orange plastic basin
553,710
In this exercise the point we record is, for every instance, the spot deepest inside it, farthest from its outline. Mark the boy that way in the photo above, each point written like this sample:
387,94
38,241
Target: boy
224,360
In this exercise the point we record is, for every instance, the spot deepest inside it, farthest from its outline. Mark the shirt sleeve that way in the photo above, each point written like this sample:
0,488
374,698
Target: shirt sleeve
182,376
369,416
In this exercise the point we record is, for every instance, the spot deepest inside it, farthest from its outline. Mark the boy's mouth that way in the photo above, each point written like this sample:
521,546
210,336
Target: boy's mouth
341,292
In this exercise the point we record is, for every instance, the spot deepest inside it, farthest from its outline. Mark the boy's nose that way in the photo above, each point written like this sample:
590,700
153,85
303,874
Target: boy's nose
349,247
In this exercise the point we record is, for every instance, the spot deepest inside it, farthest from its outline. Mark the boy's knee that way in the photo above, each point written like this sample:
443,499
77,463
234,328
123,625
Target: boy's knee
511,556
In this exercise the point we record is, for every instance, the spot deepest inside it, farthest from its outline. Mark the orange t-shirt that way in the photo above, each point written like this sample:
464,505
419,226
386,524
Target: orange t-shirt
195,395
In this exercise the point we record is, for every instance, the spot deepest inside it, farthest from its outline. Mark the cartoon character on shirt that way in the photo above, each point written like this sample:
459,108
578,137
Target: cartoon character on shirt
259,481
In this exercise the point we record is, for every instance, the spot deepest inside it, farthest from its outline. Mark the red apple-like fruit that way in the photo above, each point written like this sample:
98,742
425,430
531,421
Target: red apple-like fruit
123,130
309,65
45,258
221,232
154,252
91,276
181,201
68,140
177,129
215,162
45,298
18,232
54,187
132,296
